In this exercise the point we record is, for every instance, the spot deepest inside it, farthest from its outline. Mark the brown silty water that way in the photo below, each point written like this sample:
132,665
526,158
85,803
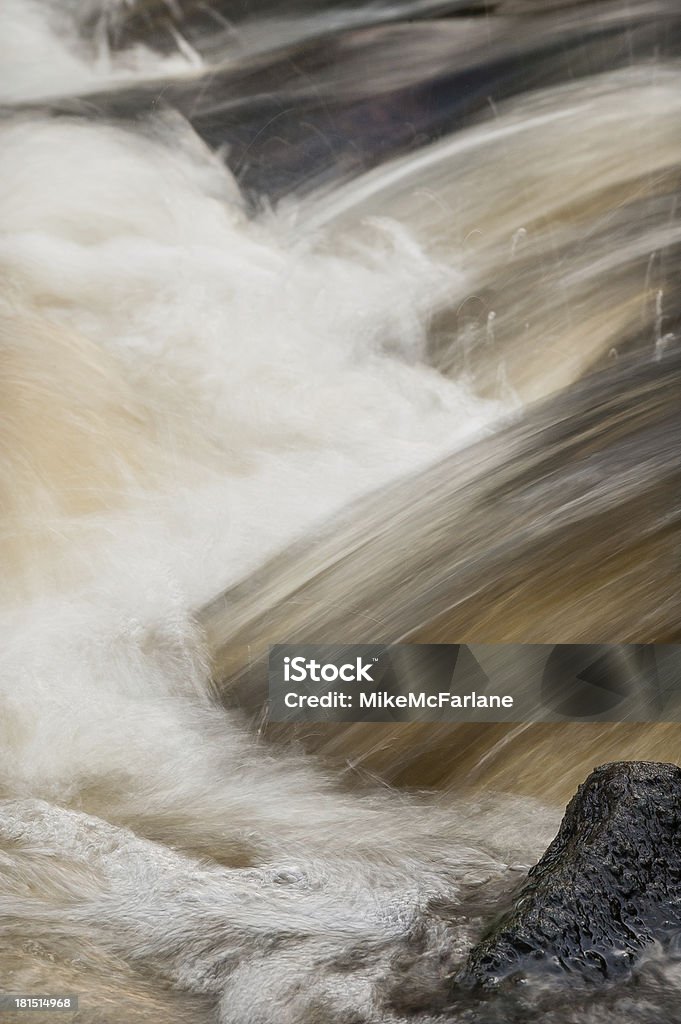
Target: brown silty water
320,324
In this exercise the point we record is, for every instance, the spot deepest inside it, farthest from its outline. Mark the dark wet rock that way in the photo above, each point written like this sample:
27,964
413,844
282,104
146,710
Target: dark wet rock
606,888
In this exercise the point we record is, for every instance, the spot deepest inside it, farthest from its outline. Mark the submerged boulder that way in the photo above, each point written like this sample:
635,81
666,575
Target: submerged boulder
606,888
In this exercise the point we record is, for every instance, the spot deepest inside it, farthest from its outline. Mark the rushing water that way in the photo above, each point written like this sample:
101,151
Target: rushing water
318,322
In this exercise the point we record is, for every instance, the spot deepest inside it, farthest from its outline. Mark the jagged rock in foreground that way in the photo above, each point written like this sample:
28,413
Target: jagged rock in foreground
608,885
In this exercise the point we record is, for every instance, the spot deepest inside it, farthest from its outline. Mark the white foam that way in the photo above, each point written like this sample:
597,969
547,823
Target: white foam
306,363
303,366
42,55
